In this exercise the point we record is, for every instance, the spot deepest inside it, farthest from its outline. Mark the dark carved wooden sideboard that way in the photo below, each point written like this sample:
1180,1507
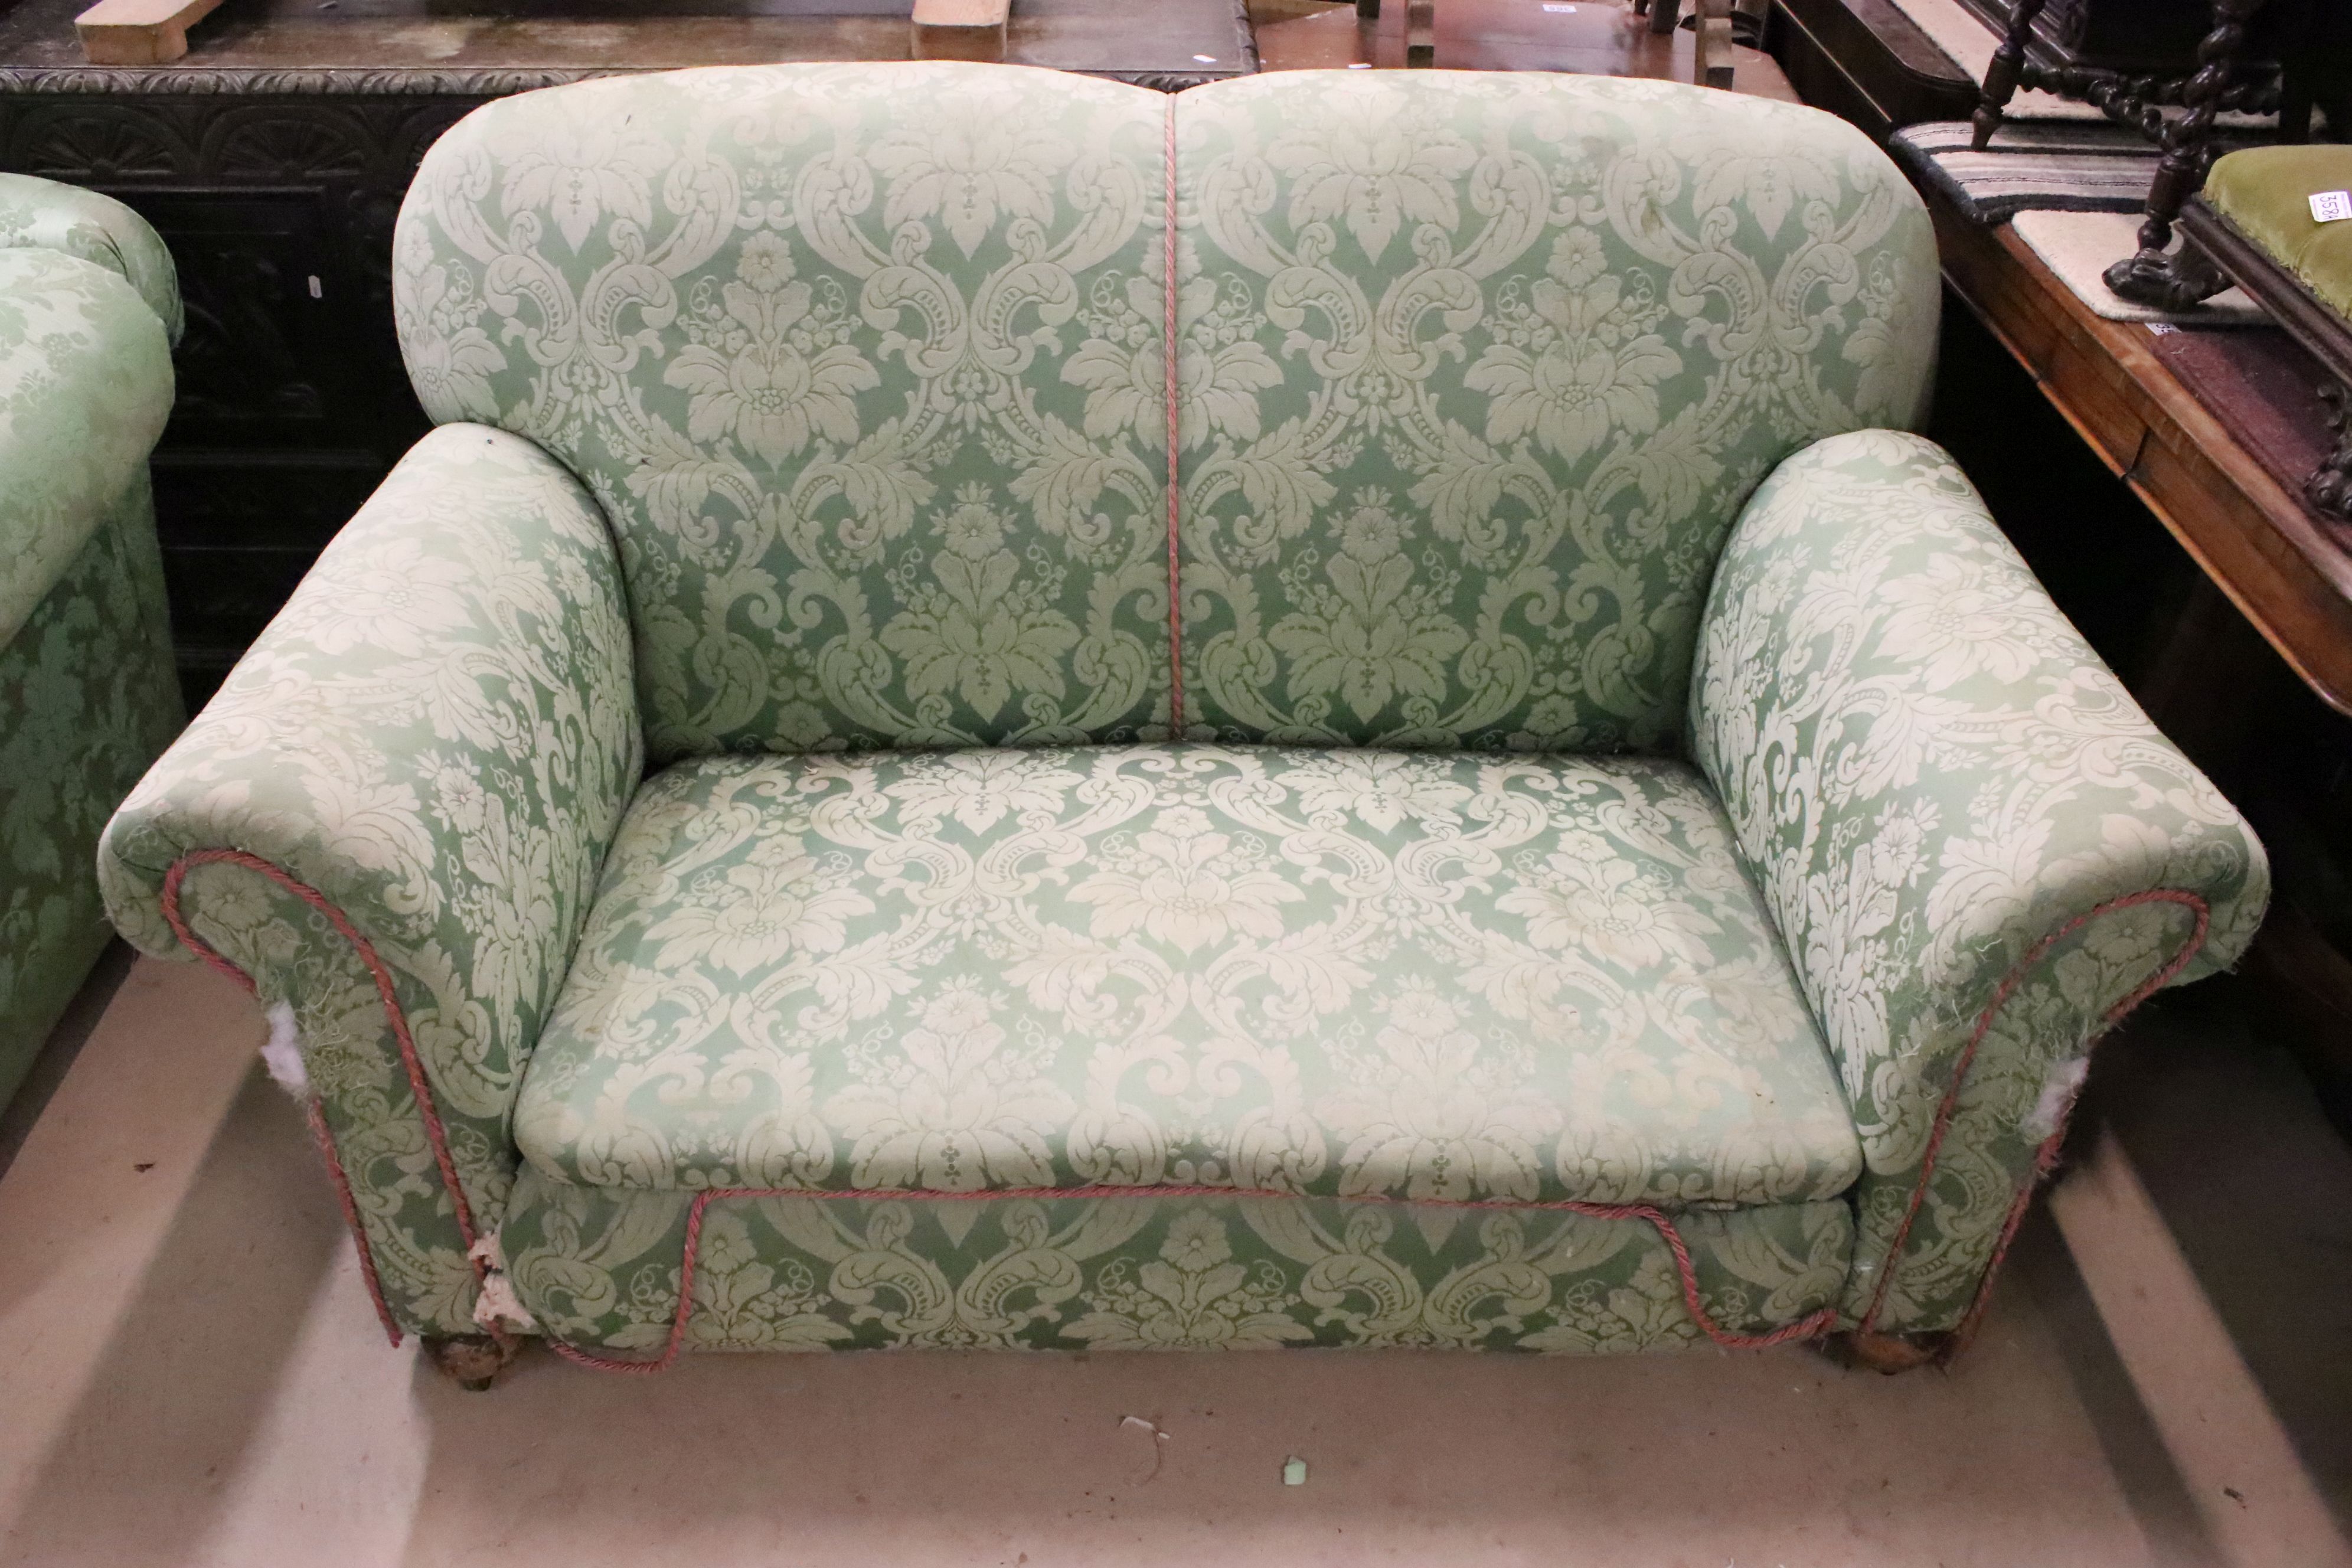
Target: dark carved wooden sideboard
273,160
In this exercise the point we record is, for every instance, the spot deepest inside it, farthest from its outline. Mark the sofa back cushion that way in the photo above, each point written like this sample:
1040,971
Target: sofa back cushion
863,364
1476,372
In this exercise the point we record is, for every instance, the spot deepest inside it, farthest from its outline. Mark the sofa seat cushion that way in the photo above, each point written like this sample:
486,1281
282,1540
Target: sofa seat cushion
601,1270
1437,977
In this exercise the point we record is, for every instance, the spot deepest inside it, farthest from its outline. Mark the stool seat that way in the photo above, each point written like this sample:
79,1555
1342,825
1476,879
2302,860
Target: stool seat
2265,194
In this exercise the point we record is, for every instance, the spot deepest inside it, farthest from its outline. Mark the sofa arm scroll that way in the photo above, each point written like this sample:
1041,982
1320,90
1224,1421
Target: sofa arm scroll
1979,852
42,215
389,824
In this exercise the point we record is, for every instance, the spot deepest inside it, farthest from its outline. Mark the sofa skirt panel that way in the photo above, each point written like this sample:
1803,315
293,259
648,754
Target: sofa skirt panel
600,1270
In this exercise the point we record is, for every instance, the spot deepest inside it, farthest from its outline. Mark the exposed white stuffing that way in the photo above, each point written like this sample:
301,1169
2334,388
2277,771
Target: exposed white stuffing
498,1305
282,1052
2058,1092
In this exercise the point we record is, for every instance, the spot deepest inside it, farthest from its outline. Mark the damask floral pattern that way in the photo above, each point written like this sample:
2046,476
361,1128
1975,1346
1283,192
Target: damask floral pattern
1497,364
85,388
599,1268
87,693
862,365
87,700
1930,773
41,214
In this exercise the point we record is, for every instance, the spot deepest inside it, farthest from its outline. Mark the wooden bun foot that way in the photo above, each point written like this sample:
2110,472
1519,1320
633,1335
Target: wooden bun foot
472,1361
1888,1353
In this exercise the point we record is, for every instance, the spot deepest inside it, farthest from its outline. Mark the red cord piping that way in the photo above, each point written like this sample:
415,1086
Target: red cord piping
434,1134
326,1142
2009,985
1804,1329
2043,1162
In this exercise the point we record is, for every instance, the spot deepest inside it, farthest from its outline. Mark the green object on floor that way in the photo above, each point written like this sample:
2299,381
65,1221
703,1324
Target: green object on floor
88,308
2266,193
1602,846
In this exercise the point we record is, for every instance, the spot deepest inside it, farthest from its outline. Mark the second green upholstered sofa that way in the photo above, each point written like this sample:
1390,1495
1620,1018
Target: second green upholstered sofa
1557,825
89,309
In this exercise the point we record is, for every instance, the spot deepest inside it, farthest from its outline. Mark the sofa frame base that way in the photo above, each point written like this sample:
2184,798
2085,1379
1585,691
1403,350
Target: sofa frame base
1889,1354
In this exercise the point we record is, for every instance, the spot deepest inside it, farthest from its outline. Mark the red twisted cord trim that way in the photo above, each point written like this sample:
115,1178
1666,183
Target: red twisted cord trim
2044,1161
326,1142
2009,985
434,1134
1804,1329
1168,355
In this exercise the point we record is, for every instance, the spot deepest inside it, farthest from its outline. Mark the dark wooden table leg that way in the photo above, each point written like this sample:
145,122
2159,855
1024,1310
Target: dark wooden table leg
1368,10
1664,15
1420,34
2007,65
2330,488
2148,277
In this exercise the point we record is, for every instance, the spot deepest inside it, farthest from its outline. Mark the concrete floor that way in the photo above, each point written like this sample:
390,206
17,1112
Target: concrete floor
190,1373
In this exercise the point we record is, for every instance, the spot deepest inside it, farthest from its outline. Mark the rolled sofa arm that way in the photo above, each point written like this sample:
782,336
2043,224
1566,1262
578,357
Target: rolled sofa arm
87,369
42,215
1979,852
389,823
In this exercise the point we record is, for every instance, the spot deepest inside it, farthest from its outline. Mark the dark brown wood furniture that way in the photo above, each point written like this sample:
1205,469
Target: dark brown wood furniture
2158,35
2214,255
2307,52
1868,62
2287,569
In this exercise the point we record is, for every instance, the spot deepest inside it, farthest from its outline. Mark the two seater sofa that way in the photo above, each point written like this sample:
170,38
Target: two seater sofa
1334,709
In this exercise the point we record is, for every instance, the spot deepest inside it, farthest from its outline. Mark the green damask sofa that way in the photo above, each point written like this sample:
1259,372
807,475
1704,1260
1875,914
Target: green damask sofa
88,311
1559,826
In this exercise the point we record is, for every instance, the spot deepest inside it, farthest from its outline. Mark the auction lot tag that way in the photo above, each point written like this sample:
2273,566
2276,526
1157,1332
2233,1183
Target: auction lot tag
2331,206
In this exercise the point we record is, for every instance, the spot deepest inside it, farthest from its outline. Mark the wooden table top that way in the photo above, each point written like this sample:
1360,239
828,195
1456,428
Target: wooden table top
2287,569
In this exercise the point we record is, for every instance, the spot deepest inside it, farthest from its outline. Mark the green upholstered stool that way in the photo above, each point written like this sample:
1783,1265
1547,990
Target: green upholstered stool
2254,226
